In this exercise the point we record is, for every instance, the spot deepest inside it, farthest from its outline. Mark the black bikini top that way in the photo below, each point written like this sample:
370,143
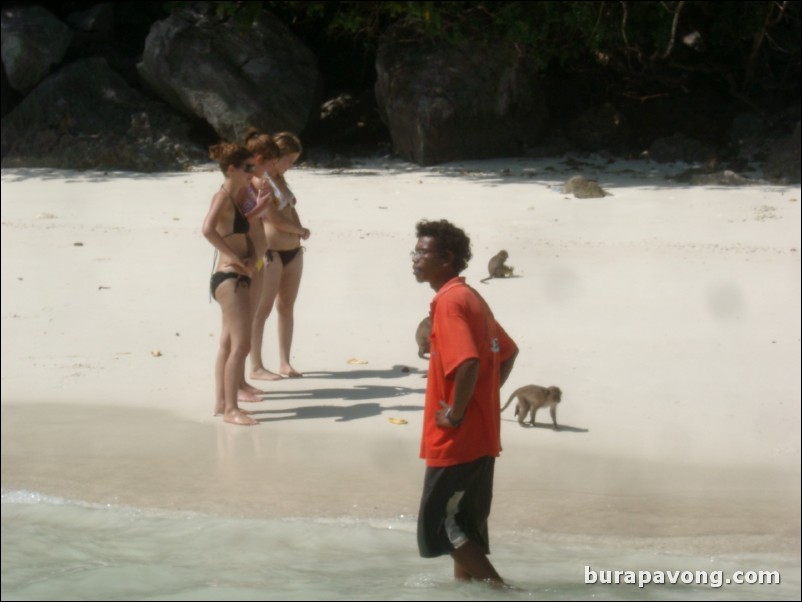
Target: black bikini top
241,224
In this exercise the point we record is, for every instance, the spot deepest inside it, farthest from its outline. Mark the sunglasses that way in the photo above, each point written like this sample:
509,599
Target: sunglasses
248,167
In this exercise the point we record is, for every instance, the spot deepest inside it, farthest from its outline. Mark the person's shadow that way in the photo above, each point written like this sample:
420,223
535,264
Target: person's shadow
341,413
338,413
357,393
397,371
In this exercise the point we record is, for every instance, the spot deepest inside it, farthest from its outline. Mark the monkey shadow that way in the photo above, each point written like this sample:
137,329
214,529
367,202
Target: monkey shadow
397,371
489,280
550,427
338,413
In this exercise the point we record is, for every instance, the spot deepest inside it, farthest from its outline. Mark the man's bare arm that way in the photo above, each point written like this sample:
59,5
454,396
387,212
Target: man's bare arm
506,368
465,377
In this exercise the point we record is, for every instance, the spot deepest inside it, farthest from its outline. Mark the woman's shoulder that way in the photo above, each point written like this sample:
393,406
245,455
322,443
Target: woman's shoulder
218,200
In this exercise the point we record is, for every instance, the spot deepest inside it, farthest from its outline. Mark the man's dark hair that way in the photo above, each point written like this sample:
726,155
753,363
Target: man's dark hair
449,238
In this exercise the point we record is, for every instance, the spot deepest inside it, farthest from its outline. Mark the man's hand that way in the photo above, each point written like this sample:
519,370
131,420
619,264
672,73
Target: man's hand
446,418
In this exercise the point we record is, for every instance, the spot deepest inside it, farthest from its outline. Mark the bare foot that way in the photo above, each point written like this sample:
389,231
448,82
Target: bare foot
290,372
222,412
251,389
247,397
262,374
239,417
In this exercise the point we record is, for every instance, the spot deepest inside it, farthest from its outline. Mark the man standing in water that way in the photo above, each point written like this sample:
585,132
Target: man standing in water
471,357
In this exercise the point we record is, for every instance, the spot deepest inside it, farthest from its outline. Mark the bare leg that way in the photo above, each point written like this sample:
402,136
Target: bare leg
285,304
460,574
219,368
470,562
270,277
246,392
235,304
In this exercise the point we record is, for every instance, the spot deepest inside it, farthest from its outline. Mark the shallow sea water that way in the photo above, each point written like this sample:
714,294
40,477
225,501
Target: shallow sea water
54,549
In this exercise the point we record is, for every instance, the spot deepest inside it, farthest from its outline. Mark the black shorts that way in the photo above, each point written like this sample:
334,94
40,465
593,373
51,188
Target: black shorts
454,507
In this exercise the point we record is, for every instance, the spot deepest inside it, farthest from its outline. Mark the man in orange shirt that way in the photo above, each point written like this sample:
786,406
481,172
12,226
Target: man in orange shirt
470,359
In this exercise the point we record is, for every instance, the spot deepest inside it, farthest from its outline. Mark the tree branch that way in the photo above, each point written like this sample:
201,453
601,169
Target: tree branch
673,39
760,36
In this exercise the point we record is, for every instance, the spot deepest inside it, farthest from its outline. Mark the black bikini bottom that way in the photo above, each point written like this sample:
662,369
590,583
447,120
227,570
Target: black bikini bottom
285,256
219,277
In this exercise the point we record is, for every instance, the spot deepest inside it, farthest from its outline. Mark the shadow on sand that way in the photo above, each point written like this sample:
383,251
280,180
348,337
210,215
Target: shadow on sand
397,371
338,413
543,425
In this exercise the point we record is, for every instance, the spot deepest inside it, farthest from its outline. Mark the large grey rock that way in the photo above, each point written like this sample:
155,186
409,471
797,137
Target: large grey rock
232,75
444,102
86,117
33,40
584,188
10,97
97,20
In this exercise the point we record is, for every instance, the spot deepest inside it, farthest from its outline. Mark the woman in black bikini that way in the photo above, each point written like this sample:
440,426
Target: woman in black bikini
281,275
226,227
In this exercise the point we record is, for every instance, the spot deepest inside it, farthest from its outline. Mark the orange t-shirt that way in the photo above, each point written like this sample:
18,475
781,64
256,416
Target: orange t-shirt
463,328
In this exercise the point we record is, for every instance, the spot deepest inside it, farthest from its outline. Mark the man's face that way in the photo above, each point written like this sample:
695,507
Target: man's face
427,264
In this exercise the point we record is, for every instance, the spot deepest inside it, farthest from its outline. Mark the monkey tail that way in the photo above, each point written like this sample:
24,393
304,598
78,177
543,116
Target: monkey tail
514,393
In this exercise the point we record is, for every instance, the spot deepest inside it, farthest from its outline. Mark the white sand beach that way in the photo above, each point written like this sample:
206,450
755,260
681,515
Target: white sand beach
669,315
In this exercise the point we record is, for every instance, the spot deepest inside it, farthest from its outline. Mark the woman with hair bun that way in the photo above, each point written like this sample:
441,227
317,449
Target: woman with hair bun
283,259
227,227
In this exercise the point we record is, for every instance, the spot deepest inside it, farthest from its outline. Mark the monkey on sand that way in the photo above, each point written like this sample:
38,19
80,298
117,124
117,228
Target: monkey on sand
496,267
533,397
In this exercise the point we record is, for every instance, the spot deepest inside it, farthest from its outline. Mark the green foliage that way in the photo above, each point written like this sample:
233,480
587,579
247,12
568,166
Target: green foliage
740,43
